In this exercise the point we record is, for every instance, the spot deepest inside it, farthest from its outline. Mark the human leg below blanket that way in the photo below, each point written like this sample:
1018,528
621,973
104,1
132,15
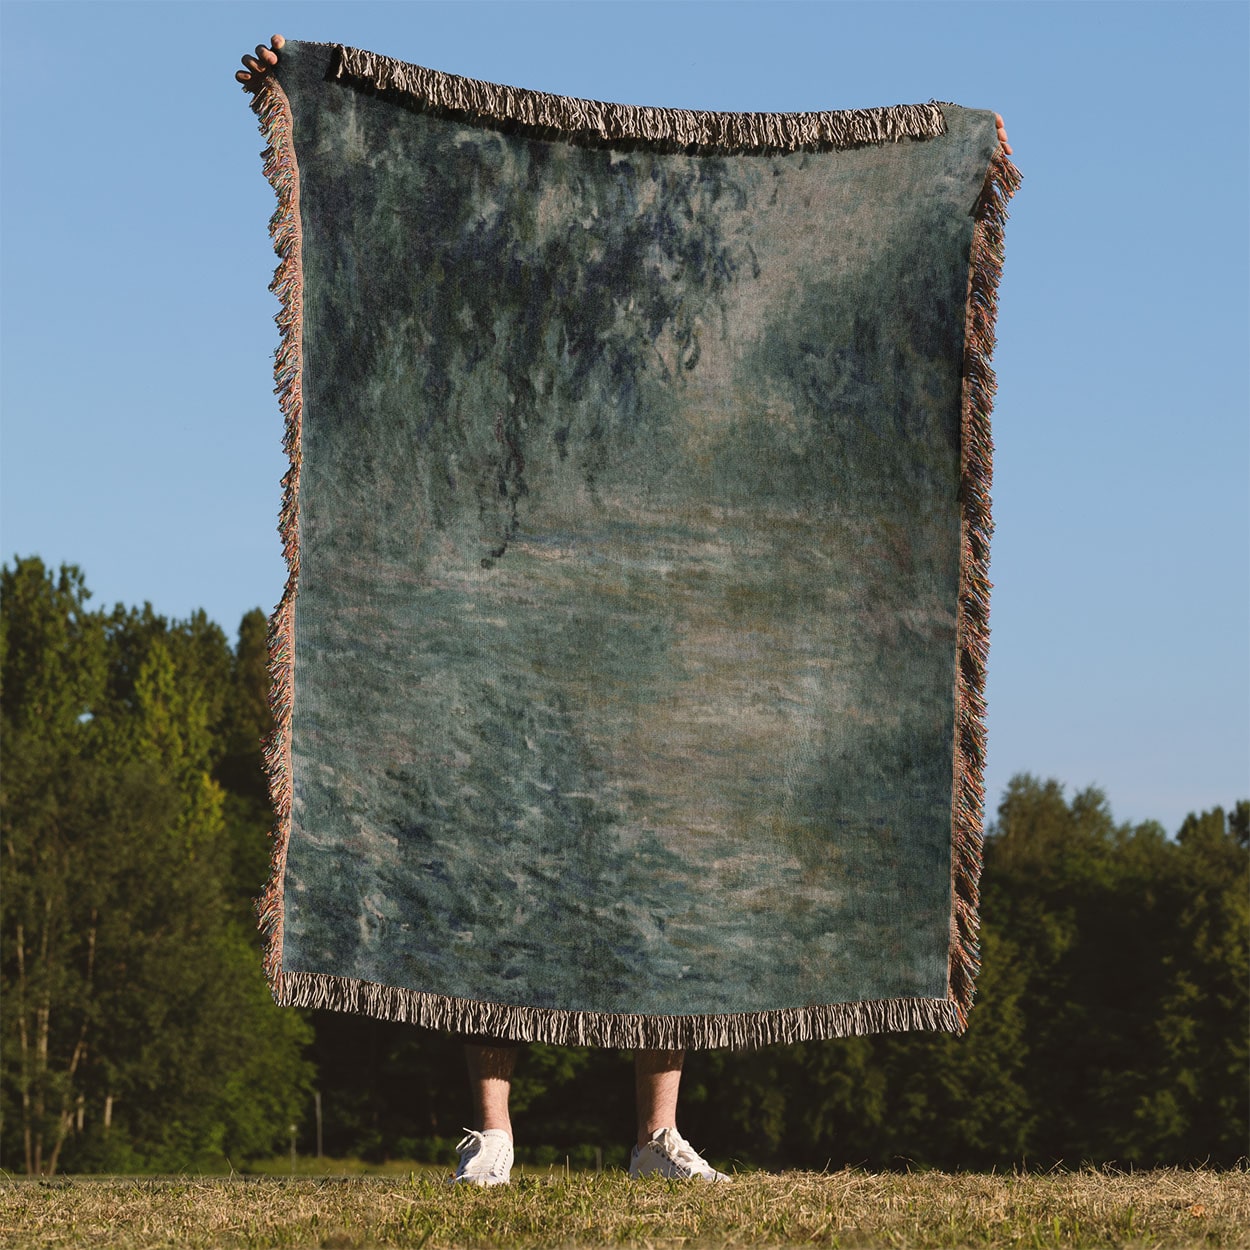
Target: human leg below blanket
486,1152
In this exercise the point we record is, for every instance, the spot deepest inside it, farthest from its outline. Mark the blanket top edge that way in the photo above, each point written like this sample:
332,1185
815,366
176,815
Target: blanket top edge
603,121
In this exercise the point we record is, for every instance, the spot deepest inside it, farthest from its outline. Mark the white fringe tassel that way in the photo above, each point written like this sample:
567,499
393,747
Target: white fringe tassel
594,119
627,1032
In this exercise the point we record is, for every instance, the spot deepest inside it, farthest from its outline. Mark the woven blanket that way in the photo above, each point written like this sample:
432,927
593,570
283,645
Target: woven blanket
628,677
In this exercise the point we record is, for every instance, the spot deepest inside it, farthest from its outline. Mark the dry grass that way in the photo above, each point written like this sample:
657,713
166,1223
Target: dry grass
842,1209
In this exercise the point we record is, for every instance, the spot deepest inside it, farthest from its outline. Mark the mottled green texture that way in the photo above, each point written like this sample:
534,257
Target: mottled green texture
625,629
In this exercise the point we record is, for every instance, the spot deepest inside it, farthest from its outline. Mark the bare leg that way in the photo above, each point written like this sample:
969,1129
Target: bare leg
490,1081
657,1078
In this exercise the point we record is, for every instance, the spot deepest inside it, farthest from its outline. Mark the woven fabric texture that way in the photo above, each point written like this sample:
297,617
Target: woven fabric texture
629,672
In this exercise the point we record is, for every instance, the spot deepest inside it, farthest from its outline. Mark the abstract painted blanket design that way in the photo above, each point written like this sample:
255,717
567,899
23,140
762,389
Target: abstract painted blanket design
628,676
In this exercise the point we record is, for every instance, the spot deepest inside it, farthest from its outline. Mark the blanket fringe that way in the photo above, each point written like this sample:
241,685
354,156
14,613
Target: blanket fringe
972,630
592,1028
273,110
596,121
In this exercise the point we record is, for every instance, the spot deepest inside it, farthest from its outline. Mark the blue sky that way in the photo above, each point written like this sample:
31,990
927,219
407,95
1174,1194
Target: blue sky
140,437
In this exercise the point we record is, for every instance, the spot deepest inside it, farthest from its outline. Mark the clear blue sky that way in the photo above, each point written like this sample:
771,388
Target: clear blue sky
141,438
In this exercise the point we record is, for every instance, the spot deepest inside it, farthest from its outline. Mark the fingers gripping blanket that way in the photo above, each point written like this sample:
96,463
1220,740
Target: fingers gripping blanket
628,677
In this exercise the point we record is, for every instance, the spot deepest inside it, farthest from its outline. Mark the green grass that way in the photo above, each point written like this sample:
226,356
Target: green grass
842,1209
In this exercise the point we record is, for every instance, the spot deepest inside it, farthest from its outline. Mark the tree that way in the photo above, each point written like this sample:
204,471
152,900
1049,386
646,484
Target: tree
52,673
246,721
1199,1108
141,1032
1133,948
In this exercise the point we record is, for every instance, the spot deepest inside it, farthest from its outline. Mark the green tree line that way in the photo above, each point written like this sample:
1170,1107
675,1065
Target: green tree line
137,1032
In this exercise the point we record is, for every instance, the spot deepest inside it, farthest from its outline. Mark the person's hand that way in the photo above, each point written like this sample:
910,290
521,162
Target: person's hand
998,117
257,66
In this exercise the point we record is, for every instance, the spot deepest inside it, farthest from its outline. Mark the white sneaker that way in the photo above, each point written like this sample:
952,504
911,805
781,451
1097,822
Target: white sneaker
485,1158
668,1153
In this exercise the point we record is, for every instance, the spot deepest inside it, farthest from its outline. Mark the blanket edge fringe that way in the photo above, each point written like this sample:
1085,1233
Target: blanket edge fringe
735,1031
973,615
603,122
273,112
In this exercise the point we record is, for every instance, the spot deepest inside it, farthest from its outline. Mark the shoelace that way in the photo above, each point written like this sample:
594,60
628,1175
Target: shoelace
683,1153
490,1160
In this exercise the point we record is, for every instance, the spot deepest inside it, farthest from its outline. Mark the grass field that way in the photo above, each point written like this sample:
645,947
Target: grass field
841,1209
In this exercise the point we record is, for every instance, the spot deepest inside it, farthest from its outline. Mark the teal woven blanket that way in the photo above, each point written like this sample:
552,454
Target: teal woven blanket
628,675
